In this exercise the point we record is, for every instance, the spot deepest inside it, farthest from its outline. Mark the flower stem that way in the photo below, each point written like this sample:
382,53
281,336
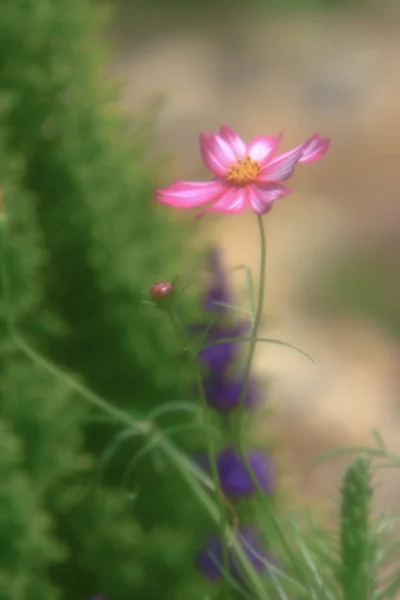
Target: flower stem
246,378
254,333
212,454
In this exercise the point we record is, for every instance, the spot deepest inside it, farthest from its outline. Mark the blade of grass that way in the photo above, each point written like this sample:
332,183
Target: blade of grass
250,287
264,340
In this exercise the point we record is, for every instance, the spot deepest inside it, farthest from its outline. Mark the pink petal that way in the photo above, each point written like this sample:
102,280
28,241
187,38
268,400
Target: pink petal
262,198
314,148
232,201
211,160
281,167
261,148
185,194
217,152
234,140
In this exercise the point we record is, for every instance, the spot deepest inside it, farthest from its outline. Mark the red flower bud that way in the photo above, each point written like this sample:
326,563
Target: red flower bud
162,290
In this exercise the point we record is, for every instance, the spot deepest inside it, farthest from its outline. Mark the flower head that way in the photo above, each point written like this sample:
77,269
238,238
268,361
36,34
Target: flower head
209,559
234,477
223,392
219,357
244,174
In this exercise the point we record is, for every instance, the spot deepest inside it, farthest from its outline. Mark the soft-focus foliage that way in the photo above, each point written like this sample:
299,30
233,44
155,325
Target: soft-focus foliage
39,419
83,241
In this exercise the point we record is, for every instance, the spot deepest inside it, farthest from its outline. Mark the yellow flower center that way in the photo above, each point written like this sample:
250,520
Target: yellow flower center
244,170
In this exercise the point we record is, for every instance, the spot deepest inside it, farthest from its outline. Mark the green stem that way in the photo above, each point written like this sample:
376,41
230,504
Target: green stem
246,378
254,333
212,454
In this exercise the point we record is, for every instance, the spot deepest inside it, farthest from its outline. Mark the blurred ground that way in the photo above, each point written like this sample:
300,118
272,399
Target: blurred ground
337,73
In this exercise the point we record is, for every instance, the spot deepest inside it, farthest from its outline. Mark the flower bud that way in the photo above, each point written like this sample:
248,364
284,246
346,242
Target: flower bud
161,290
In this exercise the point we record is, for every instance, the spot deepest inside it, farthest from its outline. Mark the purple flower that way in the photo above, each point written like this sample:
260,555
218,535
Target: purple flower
209,559
223,393
219,357
218,290
234,478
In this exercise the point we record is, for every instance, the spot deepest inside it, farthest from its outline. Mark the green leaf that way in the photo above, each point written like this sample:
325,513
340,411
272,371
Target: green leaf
261,339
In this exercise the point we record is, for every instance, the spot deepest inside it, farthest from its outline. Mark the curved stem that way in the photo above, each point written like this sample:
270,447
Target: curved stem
254,333
211,451
246,378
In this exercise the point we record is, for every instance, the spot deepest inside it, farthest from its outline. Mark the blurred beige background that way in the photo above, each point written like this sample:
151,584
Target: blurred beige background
337,72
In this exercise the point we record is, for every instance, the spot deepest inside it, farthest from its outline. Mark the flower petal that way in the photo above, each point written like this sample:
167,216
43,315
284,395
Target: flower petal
262,197
232,201
234,477
281,167
314,148
186,194
210,158
261,148
234,140
221,149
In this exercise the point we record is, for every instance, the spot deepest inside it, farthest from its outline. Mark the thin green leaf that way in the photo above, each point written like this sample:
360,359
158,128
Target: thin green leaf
314,569
260,339
132,419
379,440
228,577
155,440
250,287
185,287
123,436
273,572
340,452
393,463
172,407
233,308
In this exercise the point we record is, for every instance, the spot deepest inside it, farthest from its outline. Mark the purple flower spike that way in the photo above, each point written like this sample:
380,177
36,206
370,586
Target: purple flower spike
209,559
223,394
233,475
219,290
219,357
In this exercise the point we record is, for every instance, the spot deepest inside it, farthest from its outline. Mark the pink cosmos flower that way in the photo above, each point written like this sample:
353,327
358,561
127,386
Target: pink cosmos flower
245,175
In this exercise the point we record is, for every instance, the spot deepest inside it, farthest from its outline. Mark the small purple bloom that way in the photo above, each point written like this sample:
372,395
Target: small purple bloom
219,357
234,477
209,559
223,393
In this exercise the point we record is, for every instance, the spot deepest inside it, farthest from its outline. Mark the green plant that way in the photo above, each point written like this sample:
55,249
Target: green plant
82,242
